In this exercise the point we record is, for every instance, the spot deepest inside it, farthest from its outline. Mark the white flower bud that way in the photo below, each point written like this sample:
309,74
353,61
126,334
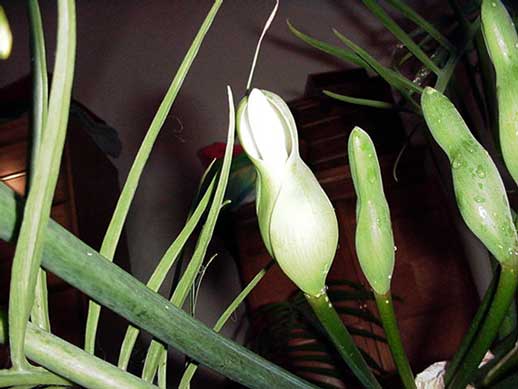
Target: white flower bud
296,219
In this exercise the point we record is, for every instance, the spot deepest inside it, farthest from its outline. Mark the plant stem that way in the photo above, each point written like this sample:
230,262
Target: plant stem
504,294
474,327
82,267
341,338
503,366
67,361
388,319
27,256
40,310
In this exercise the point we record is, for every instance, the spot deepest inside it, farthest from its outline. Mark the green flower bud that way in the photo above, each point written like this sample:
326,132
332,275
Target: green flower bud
6,37
374,238
479,189
296,219
502,44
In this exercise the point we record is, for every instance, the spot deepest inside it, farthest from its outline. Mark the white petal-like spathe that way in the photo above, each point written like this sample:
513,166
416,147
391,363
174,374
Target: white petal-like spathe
268,130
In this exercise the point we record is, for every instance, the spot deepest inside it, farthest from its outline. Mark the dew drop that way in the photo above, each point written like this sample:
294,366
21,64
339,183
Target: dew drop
480,171
493,4
479,199
89,254
395,248
456,164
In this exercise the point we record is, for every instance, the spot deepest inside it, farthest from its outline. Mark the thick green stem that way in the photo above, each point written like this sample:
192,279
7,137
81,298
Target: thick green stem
341,338
388,319
503,296
81,266
67,361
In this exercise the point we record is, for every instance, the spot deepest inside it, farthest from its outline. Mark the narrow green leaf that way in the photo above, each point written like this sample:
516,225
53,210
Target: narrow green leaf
182,289
27,258
114,230
337,52
40,310
165,264
412,15
192,367
400,34
395,79
360,101
446,73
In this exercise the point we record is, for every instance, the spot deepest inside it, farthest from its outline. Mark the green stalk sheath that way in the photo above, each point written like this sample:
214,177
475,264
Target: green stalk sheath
67,361
388,319
342,340
474,327
504,294
192,367
40,310
29,247
114,231
81,266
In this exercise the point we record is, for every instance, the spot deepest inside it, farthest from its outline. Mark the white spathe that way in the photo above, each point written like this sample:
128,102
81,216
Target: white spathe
296,219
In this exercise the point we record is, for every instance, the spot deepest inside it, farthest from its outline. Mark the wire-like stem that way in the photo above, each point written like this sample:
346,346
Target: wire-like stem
258,47
342,339
504,294
388,319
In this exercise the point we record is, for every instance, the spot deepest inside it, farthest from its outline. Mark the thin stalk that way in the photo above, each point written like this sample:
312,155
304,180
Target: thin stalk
360,101
82,267
388,319
504,294
114,230
67,361
341,338
27,257
192,367
474,327
40,309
